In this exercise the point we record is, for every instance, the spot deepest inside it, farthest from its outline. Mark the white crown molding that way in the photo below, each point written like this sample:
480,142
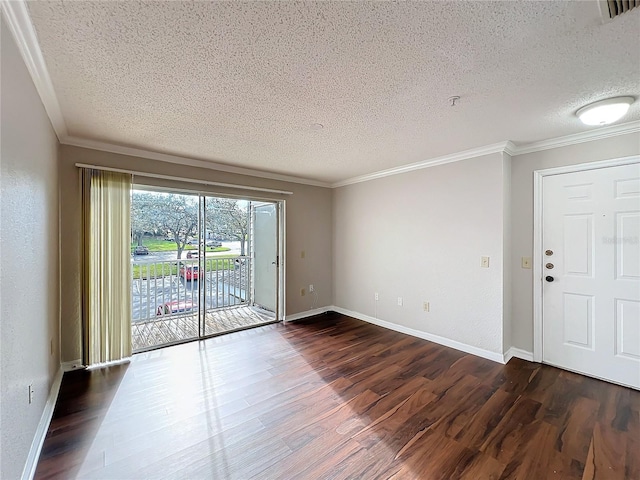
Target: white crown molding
166,157
19,22
510,148
507,147
453,157
598,133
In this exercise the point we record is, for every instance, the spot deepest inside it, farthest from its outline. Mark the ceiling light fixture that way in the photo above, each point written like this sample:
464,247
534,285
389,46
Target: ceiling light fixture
606,111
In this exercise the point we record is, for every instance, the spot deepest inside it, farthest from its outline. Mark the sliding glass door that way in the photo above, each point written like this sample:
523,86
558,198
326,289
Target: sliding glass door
201,266
164,249
227,269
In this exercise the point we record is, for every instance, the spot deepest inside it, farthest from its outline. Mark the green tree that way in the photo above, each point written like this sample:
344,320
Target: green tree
142,215
227,217
170,214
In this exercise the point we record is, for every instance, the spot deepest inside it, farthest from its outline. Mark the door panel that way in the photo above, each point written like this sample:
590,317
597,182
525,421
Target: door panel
627,254
265,238
628,188
578,244
628,329
578,320
591,306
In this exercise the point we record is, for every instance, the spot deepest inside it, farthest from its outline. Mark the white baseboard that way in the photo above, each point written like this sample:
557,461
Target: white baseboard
43,426
447,342
518,353
72,365
111,363
307,313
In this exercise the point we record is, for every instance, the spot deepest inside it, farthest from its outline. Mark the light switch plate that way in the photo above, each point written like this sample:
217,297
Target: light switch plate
484,262
526,262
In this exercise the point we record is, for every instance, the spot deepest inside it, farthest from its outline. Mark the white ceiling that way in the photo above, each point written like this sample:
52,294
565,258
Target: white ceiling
240,83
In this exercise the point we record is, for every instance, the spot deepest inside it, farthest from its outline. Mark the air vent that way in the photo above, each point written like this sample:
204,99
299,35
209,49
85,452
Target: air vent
618,7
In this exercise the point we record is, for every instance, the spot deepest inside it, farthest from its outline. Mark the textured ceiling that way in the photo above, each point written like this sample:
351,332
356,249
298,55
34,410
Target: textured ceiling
241,83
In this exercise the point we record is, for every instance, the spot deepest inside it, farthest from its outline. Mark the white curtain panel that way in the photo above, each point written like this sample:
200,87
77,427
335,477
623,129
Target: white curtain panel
107,266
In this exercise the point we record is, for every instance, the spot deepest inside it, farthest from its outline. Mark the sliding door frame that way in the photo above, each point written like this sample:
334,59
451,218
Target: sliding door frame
280,204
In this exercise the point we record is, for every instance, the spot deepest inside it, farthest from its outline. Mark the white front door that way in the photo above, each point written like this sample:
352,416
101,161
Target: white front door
591,272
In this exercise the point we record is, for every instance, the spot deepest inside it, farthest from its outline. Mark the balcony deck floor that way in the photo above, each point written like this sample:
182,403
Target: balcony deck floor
174,329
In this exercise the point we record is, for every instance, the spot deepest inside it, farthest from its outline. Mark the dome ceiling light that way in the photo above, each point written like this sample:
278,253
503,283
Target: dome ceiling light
606,111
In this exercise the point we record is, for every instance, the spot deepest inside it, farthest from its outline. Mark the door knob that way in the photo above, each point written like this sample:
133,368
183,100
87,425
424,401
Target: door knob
549,278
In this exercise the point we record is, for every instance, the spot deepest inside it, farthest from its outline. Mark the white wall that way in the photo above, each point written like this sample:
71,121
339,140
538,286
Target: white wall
523,167
421,235
29,286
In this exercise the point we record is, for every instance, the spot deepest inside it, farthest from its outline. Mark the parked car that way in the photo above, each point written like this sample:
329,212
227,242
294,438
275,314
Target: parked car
193,254
177,306
189,272
141,250
213,243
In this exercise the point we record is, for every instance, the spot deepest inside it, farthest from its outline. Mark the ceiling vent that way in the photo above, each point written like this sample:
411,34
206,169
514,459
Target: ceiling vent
618,7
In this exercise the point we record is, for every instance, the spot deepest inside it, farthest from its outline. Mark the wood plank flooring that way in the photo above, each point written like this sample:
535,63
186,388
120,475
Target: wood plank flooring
337,398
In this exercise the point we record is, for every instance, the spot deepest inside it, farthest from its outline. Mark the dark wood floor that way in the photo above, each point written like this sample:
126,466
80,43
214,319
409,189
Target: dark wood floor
337,398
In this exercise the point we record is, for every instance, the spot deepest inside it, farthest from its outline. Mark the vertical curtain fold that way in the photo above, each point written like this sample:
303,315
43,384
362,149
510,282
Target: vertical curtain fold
106,231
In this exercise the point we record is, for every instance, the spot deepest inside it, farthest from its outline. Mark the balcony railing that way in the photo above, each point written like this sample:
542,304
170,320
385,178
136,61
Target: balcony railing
172,288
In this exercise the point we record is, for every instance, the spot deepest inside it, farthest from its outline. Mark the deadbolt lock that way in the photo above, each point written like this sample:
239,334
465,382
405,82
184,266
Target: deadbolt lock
548,253
549,266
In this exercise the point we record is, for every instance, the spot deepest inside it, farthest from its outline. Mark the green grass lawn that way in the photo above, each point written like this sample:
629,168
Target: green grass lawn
160,245
159,269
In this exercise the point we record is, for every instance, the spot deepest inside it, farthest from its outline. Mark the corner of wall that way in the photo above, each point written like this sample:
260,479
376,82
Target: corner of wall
506,253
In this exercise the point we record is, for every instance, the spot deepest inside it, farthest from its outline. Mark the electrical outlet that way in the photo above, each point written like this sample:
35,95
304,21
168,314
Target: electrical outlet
399,301
526,262
302,292
425,306
376,296
311,288
484,262
30,394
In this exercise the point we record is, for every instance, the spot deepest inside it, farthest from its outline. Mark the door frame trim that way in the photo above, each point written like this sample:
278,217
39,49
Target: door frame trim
538,177
282,264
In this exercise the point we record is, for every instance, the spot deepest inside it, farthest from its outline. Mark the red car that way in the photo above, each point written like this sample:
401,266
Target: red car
176,306
189,272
